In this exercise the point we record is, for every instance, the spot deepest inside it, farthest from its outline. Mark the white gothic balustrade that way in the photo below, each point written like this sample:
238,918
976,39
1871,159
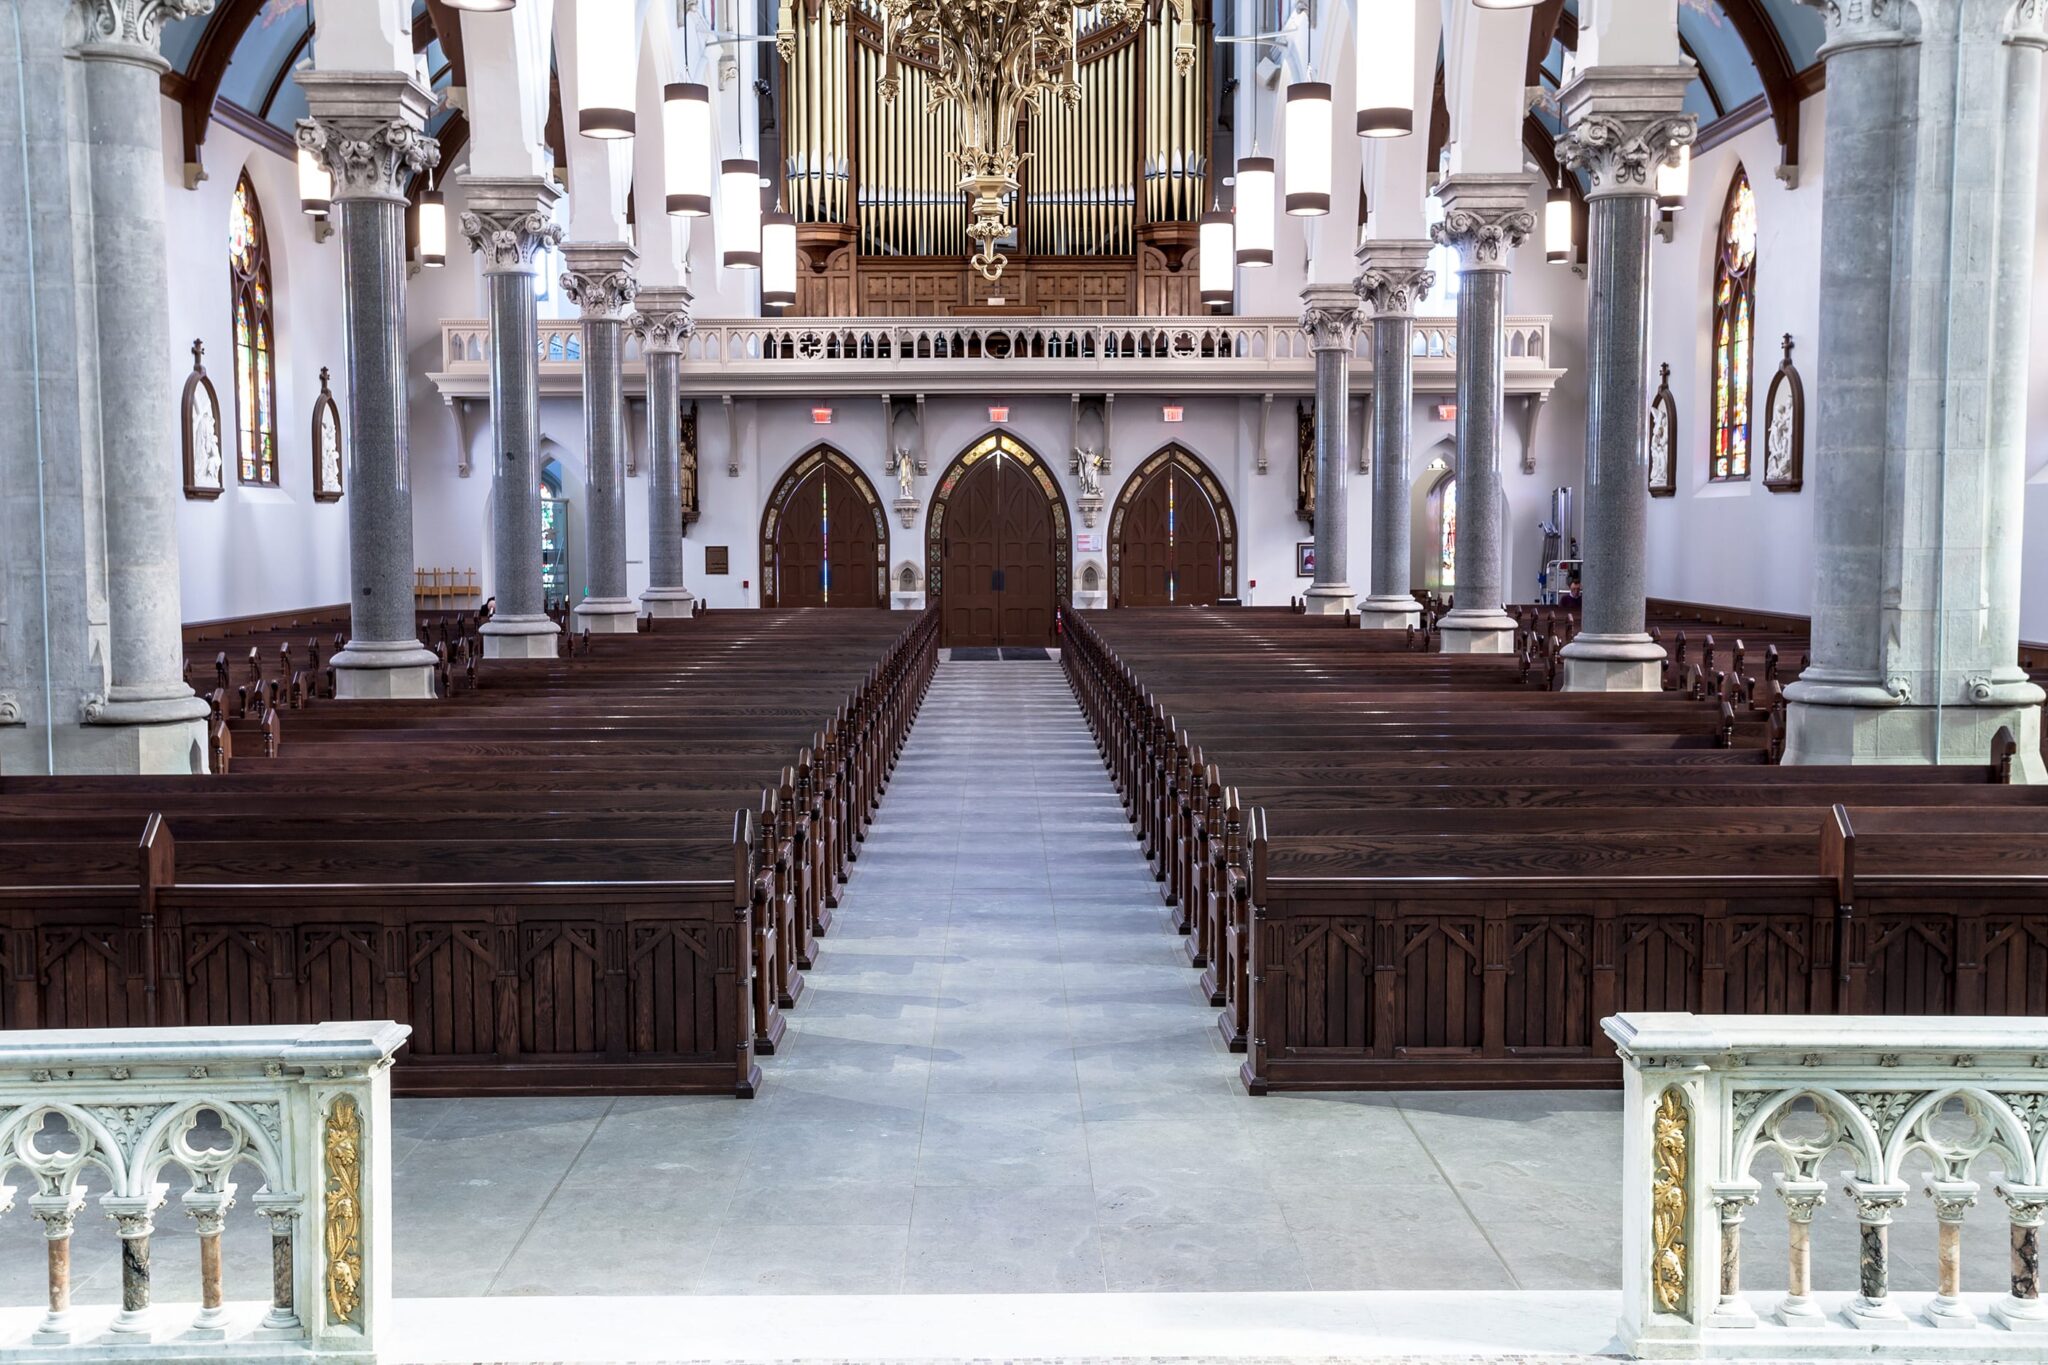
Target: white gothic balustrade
136,1124
1871,1112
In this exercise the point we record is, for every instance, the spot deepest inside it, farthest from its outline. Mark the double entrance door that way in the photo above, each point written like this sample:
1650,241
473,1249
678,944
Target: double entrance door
997,582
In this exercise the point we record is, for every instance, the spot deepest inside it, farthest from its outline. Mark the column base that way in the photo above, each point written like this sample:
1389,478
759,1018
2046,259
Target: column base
520,637
1613,663
1819,731
133,750
54,1333
209,1325
667,603
1395,611
384,670
1799,1310
1477,632
2021,1315
1732,1313
1951,1315
606,616
1875,1315
1330,599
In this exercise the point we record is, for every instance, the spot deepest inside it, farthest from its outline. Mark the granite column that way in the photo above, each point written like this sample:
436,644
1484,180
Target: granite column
1396,278
366,130
157,724
600,282
1623,122
509,222
1486,215
1330,317
662,322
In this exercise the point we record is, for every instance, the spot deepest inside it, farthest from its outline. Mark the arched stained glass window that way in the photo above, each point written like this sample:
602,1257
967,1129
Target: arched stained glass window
1447,535
255,351
1734,330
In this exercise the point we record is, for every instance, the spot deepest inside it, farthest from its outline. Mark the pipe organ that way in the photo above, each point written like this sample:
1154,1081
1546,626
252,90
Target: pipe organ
1109,192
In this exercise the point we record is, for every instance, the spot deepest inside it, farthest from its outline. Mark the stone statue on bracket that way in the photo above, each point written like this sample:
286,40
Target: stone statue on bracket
906,473
1088,464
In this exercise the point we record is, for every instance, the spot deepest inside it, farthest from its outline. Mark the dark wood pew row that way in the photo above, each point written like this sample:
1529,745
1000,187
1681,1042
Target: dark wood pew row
600,874
1399,869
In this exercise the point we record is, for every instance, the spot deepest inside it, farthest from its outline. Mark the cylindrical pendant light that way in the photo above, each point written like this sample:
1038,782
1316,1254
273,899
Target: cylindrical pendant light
1673,181
778,259
1506,4
481,6
433,228
1308,148
1386,69
1557,226
687,144
604,68
316,185
1255,211
1218,260
739,212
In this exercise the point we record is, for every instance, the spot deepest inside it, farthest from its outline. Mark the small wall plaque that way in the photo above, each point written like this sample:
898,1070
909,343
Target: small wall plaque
717,559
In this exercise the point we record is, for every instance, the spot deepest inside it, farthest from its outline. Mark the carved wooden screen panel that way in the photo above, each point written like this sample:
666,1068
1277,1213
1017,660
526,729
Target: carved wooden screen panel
1549,986
2015,957
1440,994
1658,962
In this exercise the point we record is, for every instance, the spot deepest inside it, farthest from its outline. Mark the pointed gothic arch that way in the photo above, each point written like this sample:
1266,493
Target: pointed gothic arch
824,536
999,545
1172,534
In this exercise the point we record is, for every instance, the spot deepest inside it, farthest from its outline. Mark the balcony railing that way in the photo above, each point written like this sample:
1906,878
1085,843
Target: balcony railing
1244,355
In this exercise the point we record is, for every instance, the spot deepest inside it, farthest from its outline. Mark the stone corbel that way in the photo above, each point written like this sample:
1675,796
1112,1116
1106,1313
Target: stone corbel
907,510
1532,413
1089,505
732,437
10,710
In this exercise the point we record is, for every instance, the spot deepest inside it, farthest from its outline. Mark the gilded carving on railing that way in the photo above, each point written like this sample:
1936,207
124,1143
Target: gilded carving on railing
344,1196
1671,1136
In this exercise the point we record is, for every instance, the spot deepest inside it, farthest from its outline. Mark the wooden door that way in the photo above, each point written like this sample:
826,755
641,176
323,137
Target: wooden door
826,524
997,582
1170,547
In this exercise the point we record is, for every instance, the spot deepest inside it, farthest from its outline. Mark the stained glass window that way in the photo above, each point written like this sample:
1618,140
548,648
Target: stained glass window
1447,535
255,375
1734,328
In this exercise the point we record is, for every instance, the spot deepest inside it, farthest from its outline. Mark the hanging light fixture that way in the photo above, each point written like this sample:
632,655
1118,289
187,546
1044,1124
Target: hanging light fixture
1674,180
1557,225
686,148
1386,70
433,228
481,6
316,185
1219,261
778,259
604,68
1308,148
1255,211
1507,4
739,212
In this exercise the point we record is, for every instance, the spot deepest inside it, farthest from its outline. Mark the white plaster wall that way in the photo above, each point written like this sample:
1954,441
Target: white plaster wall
1738,544
256,549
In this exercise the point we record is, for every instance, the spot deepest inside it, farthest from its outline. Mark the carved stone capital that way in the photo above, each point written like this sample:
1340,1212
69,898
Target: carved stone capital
660,330
131,30
509,243
367,129
1330,316
1485,217
600,279
1395,281
1875,1204
2028,1204
1620,154
10,710
1860,23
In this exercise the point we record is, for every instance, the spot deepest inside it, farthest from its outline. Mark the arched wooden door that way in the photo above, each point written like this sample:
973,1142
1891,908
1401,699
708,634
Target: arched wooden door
997,552
823,537
1173,540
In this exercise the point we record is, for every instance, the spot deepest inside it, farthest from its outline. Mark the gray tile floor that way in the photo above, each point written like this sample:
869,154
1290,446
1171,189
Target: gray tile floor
1001,1079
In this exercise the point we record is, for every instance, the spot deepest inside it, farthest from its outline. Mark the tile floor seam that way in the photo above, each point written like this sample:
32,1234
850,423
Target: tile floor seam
553,1190
1485,1234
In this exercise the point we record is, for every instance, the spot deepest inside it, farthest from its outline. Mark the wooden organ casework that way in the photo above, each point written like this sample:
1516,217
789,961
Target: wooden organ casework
1111,189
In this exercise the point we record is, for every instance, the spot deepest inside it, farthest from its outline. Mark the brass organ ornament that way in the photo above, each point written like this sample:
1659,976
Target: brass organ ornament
988,60
344,1207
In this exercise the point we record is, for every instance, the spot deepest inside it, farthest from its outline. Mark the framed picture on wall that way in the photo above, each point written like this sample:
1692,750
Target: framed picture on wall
326,444
199,418
1304,559
1663,433
1785,427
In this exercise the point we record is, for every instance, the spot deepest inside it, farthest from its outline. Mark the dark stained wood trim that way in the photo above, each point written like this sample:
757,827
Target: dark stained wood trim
1544,23
447,26
257,129
201,85
1740,119
284,72
1774,68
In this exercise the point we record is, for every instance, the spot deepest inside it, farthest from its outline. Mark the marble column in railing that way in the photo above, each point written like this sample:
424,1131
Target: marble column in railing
1485,217
1733,1201
600,282
1330,319
1876,1202
1953,1200
663,324
1802,1199
208,1210
1395,279
58,1213
366,130
2022,1309
510,224
135,1216
281,1211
